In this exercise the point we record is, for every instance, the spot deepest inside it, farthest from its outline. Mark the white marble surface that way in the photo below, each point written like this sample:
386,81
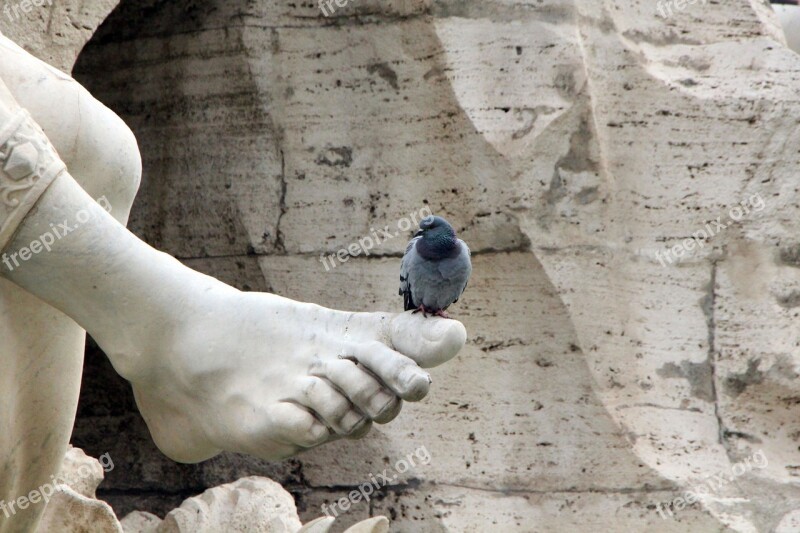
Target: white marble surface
790,21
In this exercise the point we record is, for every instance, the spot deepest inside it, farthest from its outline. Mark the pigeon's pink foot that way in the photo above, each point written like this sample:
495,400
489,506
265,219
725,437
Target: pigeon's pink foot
442,314
422,309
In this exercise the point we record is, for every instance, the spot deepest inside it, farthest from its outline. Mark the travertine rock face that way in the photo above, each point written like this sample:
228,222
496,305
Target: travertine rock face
80,472
70,511
250,505
624,347
71,503
255,505
140,522
53,30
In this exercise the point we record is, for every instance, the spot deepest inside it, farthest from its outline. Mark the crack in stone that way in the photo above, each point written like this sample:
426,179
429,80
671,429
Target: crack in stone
592,490
417,483
708,303
280,245
656,406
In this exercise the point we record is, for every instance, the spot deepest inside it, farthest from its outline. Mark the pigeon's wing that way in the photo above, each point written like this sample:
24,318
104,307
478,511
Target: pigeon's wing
468,255
405,269
459,270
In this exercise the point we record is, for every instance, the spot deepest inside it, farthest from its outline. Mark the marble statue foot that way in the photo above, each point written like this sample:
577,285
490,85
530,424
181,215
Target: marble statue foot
269,376
213,368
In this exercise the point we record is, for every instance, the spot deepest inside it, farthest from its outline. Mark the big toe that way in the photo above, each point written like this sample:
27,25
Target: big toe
429,341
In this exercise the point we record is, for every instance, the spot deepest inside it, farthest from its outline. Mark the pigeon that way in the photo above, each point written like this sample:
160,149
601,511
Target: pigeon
435,268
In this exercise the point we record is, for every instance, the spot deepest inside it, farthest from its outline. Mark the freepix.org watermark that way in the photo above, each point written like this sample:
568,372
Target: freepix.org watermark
665,7
711,484
376,237
43,493
375,482
12,11
46,240
712,228
326,6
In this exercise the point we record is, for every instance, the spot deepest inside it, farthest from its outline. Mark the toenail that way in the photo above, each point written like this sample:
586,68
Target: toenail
415,382
381,402
408,376
318,434
351,421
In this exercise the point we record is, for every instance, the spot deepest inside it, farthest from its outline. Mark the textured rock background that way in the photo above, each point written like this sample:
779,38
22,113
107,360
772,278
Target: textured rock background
56,30
569,141
71,502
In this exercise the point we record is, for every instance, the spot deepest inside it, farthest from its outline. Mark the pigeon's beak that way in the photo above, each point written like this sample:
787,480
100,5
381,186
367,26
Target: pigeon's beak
419,233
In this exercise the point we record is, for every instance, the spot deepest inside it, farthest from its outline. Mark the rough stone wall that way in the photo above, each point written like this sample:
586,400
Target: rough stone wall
569,142
56,30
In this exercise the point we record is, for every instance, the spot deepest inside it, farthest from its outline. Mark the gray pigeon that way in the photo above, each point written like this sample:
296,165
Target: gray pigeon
435,269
